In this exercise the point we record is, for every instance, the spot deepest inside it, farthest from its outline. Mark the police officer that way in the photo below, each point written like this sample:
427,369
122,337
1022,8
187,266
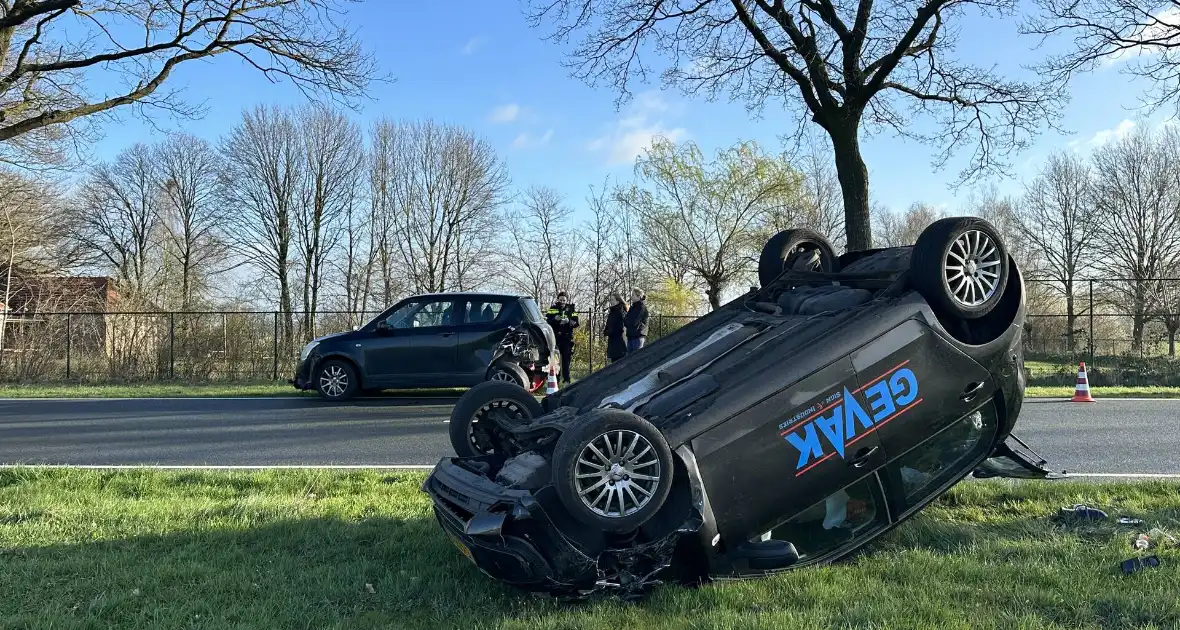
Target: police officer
563,320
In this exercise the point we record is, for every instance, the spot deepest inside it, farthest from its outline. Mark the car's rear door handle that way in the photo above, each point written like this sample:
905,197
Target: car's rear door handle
450,334
971,391
862,457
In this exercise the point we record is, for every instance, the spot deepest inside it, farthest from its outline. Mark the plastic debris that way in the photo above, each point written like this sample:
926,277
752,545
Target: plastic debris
1142,541
1126,520
1132,565
1083,512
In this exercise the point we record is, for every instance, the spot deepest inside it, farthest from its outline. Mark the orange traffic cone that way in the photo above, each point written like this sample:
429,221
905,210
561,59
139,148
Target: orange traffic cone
551,381
1082,392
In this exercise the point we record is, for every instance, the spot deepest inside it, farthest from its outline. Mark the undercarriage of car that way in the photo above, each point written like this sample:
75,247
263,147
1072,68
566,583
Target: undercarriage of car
811,402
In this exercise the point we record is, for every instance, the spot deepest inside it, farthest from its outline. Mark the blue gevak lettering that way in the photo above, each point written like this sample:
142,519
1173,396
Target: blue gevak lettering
830,429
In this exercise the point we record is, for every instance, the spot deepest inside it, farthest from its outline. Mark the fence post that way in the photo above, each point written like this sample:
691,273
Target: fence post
590,334
69,340
276,348
1091,322
171,345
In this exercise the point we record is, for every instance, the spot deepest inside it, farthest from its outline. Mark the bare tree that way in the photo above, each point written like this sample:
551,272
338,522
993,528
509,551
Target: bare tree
446,190
333,152
192,214
1060,219
820,200
597,236
385,254
1137,194
32,234
546,253
261,186
705,218
53,54
117,220
1142,36
900,230
844,65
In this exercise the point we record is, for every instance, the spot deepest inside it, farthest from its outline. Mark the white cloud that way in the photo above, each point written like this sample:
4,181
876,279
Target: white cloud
505,113
1117,133
527,141
632,134
1164,30
474,44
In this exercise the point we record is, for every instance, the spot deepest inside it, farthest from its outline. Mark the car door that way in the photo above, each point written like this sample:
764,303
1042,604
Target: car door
788,452
415,346
484,323
916,384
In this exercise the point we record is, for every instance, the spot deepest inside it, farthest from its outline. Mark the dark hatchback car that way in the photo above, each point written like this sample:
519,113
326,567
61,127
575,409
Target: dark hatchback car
423,341
787,429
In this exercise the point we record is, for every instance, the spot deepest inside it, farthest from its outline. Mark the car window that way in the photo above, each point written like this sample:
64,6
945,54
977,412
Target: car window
936,461
481,311
533,311
843,517
421,314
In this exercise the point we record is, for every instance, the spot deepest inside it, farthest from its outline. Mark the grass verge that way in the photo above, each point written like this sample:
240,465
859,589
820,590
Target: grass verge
331,549
1038,391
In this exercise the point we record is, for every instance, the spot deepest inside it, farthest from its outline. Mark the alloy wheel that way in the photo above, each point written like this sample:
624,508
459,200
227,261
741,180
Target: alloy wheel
334,381
971,268
617,473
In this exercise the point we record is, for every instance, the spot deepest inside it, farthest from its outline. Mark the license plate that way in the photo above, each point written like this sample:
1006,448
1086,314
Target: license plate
462,548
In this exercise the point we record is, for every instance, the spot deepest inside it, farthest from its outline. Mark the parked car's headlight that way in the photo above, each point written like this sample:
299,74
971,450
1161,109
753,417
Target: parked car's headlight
307,350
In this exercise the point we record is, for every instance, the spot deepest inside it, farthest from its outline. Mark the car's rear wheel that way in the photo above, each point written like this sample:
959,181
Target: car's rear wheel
473,428
613,470
336,380
509,372
792,248
960,265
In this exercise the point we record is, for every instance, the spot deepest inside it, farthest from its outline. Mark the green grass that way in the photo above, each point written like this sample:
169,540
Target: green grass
1038,391
358,549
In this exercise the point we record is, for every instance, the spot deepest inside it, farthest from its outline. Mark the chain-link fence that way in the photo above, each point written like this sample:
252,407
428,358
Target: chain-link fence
1126,331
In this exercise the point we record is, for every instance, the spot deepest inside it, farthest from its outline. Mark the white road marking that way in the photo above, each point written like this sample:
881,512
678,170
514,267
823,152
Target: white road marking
1128,475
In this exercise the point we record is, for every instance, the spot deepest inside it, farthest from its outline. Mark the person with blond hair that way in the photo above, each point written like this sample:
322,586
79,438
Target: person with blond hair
636,321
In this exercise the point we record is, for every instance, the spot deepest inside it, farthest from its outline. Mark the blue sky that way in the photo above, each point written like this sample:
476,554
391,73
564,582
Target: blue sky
480,65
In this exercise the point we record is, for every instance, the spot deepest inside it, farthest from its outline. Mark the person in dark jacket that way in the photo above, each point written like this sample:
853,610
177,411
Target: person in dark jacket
614,331
636,321
563,319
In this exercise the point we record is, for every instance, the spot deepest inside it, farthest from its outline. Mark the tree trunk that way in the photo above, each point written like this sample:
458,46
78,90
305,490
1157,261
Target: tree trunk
854,183
1071,318
713,292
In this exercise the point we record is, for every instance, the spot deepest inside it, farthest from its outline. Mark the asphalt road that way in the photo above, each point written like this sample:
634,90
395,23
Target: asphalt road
1111,436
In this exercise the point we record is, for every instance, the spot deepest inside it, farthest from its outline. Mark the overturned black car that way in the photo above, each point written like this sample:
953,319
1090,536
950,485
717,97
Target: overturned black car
786,429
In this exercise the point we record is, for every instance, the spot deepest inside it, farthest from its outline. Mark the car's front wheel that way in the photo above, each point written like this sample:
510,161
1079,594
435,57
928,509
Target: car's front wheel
799,248
474,429
336,380
960,265
509,372
613,470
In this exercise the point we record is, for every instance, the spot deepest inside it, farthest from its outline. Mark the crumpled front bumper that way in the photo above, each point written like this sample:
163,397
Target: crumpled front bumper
508,533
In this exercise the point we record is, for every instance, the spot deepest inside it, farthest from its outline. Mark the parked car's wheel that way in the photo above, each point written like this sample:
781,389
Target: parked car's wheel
473,431
960,265
336,380
613,470
781,246
509,372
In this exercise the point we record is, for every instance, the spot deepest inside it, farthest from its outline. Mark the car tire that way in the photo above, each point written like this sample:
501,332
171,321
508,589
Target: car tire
600,431
960,265
468,437
336,380
507,371
772,261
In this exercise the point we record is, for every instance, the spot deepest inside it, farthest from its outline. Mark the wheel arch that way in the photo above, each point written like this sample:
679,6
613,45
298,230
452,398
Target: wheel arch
338,355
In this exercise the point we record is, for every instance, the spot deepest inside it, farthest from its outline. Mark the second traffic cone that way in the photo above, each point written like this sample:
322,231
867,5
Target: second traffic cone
1082,391
551,381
